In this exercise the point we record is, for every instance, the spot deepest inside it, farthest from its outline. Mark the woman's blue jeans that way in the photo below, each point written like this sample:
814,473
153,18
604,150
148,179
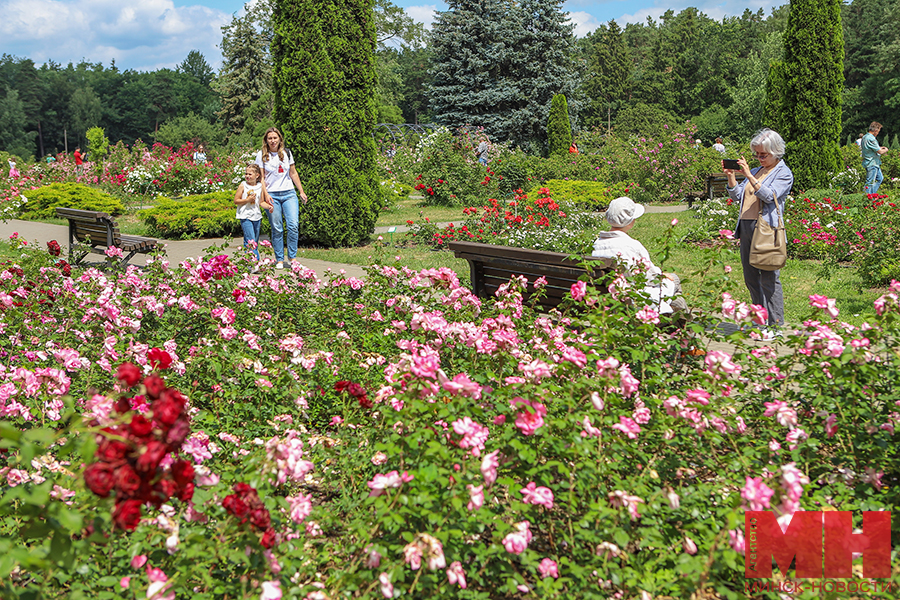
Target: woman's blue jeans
286,209
251,233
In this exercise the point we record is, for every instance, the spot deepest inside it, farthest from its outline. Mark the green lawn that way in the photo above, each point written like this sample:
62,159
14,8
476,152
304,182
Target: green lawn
411,209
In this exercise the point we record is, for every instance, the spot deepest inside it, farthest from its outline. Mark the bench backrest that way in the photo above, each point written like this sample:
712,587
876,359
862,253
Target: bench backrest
100,227
492,266
717,184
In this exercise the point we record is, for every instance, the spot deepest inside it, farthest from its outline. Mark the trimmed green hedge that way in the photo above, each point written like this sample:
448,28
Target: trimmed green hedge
203,216
592,195
43,202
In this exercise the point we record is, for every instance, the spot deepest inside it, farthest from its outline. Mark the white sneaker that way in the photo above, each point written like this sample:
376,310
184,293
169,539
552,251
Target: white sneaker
279,265
255,269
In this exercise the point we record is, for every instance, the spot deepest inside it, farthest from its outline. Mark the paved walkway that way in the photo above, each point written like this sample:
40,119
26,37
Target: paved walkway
177,251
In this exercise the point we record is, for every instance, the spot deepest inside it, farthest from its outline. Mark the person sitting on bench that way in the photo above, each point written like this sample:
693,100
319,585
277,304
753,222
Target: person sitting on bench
664,289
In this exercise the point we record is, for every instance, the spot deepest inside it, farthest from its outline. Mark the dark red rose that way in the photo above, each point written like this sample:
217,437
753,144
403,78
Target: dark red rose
260,518
182,472
155,386
179,432
355,390
364,401
149,459
65,268
166,411
243,488
112,451
98,477
268,539
123,405
167,487
159,359
186,493
129,374
340,386
127,514
127,481
53,248
140,426
237,507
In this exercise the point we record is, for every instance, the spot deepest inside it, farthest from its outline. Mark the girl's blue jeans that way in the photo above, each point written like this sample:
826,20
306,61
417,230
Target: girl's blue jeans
251,234
286,209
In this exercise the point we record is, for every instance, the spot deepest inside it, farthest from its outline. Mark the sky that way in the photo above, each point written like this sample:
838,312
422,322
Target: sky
147,35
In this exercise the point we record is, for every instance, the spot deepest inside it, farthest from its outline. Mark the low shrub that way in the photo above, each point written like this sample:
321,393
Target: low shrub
591,195
711,217
392,191
448,174
203,216
43,202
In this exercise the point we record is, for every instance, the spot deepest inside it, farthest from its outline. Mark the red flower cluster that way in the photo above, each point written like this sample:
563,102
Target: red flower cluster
64,268
53,248
129,454
355,390
245,504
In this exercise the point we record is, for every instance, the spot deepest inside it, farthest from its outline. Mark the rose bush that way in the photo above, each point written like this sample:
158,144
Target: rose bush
397,436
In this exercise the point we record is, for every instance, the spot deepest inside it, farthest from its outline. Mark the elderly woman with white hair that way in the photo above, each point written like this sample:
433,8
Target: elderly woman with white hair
763,191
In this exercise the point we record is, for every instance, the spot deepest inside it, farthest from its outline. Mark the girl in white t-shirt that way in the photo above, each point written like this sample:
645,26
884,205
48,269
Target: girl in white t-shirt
249,201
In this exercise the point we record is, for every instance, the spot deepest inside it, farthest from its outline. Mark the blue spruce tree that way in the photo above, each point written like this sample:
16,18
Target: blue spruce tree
498,64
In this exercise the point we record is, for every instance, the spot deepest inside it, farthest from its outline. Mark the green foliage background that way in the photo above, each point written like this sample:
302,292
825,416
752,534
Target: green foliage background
324,81
202,216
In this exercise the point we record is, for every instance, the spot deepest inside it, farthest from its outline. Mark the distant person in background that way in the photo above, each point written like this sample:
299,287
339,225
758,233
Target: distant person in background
13,171
200,155
483,149
859,140
719,146
79,162
573,149
871,158
50,159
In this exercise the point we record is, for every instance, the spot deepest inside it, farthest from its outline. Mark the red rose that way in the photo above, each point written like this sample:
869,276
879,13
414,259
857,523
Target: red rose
123,405
268,539
112,451
364,401
140,426
182,472
243,489
166,411
159,359
235,506
186,493
167,487
127,514
128,374
98,477
153,453
127,480
155,386
340,386
356,390
260,518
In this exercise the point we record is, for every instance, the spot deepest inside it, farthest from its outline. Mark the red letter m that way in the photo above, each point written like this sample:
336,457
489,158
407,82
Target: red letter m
765,541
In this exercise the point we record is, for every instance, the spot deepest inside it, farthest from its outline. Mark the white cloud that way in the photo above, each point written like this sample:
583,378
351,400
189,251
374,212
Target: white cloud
137,34
584,22
422,14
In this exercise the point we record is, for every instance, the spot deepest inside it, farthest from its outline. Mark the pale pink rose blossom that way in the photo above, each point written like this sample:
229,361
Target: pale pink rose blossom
387,588
489,466
578,291
619,498
538,495
648,315
474,435
476,497
517,541
674,500
271,590
301,507
548,568
532,418
689,546
381,483
628,427
456,575
756,493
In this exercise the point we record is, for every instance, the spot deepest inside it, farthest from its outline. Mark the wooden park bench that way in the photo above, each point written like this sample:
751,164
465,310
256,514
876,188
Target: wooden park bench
491,266
99,231
716,187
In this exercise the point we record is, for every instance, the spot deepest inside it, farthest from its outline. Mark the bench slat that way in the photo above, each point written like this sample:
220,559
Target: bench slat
103,231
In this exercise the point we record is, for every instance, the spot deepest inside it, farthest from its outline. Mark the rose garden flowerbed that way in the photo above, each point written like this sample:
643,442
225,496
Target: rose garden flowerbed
397,437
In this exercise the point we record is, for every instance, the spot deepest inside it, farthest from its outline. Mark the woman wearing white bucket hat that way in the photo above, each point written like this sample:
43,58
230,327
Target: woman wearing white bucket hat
664,289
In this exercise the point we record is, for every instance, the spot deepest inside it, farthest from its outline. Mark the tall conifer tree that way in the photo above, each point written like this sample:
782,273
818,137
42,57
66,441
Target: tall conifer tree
606,82
808,86
498,63
324,80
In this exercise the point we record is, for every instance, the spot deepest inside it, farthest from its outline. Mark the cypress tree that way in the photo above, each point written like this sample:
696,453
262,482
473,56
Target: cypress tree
811,94
324,80
498,63
606,82
559,131
247,67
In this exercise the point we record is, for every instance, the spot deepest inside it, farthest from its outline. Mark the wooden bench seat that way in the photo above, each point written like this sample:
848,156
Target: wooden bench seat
491,266
98,231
